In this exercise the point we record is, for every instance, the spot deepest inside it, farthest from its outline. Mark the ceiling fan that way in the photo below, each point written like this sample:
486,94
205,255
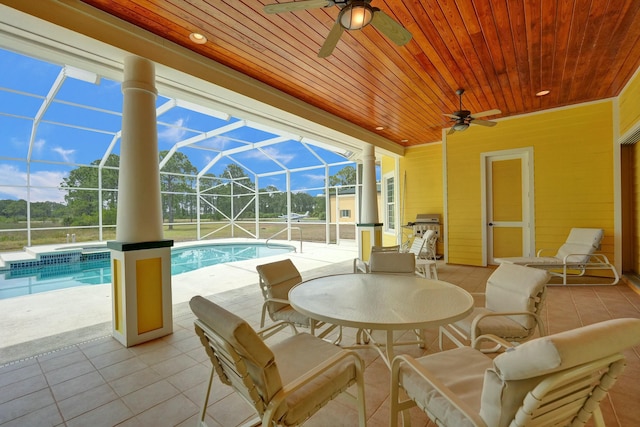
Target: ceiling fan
354,15
463,118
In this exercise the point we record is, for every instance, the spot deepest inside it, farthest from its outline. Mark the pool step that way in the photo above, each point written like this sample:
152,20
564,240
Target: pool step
38,256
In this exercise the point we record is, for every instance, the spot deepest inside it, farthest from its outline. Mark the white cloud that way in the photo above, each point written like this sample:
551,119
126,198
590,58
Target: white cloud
314,177
67,155
12,176
273,153
39,145
173,134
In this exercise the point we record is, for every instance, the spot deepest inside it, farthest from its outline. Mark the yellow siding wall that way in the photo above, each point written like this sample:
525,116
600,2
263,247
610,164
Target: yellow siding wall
630,105
421,176
573,176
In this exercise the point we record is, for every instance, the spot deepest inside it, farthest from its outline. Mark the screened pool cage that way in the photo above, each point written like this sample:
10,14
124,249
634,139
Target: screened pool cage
221,176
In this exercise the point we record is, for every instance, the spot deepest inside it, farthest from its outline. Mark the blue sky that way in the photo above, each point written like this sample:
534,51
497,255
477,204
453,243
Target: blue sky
80,124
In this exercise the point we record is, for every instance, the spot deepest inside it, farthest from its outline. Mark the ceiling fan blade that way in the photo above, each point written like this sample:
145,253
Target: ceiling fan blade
390,28
331,40
485,113
483,122
453,116
297,5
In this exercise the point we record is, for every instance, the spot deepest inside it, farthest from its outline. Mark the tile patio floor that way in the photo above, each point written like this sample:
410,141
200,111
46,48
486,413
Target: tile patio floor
161,383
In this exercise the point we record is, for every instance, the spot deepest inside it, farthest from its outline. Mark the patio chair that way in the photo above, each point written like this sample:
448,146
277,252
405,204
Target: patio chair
422,248
557,380
276,280
286,382
573,258
513,300
400,263
392,262
360,266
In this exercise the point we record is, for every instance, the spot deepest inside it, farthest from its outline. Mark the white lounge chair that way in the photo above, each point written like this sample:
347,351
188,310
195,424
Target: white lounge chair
557,380
573,259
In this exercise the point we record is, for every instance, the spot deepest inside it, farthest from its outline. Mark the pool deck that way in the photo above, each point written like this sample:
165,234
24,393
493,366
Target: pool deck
39,323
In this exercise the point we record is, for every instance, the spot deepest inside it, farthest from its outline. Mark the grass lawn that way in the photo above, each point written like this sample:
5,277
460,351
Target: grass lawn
312,231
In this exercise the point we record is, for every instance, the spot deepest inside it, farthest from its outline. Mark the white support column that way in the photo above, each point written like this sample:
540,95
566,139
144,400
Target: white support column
141,259
369,229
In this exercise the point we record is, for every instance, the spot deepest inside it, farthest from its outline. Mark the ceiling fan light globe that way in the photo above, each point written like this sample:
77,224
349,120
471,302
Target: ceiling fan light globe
459,127
356,15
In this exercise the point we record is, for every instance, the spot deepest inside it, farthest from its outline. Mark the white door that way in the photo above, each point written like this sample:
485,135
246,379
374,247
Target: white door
508,204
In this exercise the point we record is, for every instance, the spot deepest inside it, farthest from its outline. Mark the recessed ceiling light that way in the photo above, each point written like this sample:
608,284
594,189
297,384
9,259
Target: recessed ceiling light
543,93
197,38
404,140
380,128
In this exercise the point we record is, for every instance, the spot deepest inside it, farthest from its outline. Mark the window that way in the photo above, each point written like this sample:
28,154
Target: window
345,213
389,203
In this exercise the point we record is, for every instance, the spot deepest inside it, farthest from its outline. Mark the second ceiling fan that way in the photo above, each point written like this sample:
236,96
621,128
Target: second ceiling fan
463,118
354,15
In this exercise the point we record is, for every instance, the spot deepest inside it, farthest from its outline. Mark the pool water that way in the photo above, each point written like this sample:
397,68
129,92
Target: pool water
26,281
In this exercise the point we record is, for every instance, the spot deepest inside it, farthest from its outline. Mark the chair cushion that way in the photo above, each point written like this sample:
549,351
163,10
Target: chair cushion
580,241
530,260
392,262
298,355
502,326
515,287
564,350
288,314
521,368
461,370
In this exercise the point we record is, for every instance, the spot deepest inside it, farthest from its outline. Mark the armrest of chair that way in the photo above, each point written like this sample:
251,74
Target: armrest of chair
539,253
479,317
263,316
317,371
437,385
359,266
276,327
592,258
489,337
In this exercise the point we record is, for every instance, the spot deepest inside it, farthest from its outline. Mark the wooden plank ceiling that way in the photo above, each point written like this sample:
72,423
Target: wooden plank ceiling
500,51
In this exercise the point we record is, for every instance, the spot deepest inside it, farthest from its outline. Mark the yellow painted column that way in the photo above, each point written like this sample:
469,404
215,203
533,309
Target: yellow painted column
140,257
369,229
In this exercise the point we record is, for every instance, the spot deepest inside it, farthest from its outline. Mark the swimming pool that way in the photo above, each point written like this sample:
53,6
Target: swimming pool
24,281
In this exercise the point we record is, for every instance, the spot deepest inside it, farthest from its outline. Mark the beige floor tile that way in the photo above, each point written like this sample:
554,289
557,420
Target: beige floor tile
22,388
23,405
135,381
119,370
68,372
87,401
149,396
163,382
172,412
77,385
107,415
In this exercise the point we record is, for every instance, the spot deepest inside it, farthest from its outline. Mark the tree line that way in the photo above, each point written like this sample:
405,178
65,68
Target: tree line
230,194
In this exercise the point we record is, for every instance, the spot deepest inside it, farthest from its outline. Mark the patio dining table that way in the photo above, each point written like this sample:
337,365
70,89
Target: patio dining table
381,302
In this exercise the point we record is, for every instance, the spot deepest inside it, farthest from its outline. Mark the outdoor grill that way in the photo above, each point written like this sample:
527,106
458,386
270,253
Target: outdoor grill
425,222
